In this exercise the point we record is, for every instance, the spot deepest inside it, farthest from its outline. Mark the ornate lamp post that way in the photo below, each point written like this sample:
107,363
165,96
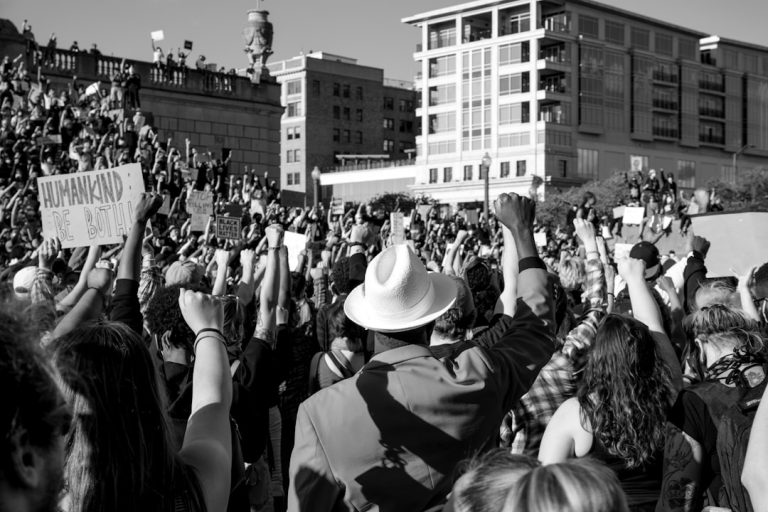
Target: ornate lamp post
485,169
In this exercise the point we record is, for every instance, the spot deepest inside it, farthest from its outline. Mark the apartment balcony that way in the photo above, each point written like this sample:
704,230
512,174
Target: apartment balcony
712,85
665,104
665,78
712,139
552,65
666,132
477,35
553,115
556,28
712,112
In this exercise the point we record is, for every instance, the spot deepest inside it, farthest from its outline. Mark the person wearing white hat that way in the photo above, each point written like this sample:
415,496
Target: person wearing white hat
389,437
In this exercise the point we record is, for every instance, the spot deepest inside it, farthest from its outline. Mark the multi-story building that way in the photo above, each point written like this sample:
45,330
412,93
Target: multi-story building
575,90
339,112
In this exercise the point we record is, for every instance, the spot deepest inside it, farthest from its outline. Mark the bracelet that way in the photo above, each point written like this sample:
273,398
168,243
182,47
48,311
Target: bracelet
609,294
531,262
356,244
198,340
209,329
274,248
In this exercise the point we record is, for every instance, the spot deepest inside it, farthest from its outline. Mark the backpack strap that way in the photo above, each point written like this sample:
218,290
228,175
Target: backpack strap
235,365
314,366
342,363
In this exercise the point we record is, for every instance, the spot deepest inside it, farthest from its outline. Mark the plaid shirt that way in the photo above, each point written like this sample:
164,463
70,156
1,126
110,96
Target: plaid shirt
523,427
149,282
43,303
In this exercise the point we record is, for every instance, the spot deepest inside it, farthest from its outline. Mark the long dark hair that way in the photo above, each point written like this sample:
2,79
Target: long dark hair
119,451
624,391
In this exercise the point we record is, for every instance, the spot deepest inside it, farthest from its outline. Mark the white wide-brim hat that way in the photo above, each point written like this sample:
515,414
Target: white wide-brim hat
398,293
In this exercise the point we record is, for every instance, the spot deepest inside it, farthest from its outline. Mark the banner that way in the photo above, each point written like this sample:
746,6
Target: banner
738,241
397,227
295,243
91,207
228,227
157,35
633,216
187,44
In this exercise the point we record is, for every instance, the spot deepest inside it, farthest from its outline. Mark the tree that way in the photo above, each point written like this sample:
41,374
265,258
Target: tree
608,193
388,201
748,192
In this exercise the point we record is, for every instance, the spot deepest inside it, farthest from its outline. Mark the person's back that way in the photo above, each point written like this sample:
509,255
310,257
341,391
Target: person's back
389,437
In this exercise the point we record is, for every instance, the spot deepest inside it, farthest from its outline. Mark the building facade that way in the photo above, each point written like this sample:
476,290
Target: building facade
339,112
574,90
215,111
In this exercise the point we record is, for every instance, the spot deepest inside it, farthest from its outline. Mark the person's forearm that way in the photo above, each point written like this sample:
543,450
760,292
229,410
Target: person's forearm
220,283
284,293
94,252
748,304
211,379
644,307
89,307
130,261
509,262
269,290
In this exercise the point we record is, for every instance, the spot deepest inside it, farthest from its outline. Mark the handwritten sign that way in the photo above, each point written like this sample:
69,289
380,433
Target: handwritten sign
157,35
295,242
91,207
337,206
397,221
200,202
228,227
633,216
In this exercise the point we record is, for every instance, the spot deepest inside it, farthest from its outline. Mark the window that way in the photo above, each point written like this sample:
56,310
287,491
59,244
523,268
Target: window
587,164
297,157
589,26
359,93
441,148
346,113
441,66
345,91
347,136
293,109
640,38
293,87
440,123
509,140
515,83
514,113
406,126
515,23
358,137
289,156
442,35
562,167
388,146
663,43
336,135
315,87
402,106
336,112
467,172
433,175
359,114
504,170
289,178
293,132
447,174
389,123
389,103
297,178
686,173
514,53
442,94
336,88
614,32
522,167
711,132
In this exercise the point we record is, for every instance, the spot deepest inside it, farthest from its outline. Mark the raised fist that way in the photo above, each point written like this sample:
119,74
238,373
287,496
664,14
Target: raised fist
274,235
148,206
515,212
200,310
100,279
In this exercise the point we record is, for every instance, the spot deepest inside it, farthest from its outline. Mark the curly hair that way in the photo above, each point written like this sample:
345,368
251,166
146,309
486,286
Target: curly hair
572,273
163,314
726,328
624,391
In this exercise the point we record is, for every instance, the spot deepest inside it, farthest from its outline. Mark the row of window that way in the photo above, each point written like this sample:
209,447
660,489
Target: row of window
346,113
402,104
293,156
640,38
521,167
344,91
405,125
347,136
293,178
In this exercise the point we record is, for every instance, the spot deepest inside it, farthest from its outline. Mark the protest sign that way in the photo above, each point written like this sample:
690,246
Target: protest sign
621,251
200,202
165,209
258,206
47,140
198,222
228,227
187,44
295,243
738,241
471,216
157,35
540,239
618,212
337,206
633,215
397,224
92,207
407,222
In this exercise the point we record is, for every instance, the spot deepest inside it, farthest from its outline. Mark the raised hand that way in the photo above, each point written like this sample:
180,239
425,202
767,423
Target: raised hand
222,258
247,258
631,268
47,253
147,206
100,278
200,310
515,212
274,234
585,230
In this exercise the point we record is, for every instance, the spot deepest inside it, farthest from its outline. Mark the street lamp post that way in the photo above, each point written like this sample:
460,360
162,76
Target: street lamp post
736,156
316,180
485,168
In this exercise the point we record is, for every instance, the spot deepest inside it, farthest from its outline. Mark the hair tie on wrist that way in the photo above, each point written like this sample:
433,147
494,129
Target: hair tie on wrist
209,329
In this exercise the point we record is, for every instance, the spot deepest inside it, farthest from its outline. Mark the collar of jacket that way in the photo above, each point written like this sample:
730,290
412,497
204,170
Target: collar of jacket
398,355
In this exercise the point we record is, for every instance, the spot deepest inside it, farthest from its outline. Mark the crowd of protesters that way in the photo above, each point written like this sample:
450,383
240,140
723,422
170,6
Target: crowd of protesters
467,368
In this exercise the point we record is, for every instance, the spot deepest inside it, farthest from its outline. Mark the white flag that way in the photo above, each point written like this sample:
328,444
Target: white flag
157,35
93,89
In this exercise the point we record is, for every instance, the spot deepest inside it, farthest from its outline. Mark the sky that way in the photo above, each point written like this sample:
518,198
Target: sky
367,30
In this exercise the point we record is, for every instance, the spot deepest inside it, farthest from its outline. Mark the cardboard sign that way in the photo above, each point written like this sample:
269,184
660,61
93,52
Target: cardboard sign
633,216
198,222
337,206
187,44
233,210
618,212
397,231
166,208
228,227
540,239
295,242
471,216
738,241
200,202
157,35
48,140
407,222
91,207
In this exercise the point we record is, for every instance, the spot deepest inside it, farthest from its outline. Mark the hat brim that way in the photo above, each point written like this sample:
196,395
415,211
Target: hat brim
653,272
360,310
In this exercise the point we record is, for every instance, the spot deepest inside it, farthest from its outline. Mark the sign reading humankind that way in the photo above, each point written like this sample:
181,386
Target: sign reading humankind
84,208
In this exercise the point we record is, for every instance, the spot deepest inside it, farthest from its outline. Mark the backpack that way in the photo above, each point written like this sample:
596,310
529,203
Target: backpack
732,410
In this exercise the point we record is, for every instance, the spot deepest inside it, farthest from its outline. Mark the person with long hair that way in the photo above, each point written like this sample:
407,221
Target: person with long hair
119,452
628,384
